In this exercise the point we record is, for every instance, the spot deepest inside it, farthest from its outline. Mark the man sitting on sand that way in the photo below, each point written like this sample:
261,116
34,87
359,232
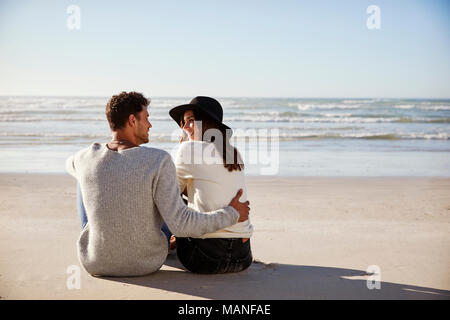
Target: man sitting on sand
129,191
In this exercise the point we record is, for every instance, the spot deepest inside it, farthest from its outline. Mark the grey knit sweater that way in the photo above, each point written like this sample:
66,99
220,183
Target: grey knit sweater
127,195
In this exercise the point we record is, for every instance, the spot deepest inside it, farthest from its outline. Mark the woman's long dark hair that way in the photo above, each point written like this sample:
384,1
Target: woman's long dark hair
208,123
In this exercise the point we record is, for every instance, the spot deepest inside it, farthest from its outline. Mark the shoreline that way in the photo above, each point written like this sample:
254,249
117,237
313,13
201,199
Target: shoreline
250,176
315,238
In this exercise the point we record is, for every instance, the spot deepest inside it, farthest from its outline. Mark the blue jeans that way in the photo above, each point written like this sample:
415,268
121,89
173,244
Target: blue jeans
83,217
80,207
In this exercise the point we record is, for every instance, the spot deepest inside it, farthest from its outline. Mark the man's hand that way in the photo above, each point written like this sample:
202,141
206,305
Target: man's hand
241,207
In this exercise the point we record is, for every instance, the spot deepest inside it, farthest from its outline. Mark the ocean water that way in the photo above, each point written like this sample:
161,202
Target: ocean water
277,136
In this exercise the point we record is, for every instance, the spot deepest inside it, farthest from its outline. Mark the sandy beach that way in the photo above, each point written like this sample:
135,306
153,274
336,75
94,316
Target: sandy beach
314,239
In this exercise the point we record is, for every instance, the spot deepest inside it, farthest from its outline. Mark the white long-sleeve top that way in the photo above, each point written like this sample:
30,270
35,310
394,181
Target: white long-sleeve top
210,185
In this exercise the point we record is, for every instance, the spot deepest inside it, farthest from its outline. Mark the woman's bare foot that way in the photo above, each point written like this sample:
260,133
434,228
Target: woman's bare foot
172,242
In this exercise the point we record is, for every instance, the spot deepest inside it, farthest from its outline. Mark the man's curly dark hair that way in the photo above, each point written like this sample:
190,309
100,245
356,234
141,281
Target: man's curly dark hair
119,108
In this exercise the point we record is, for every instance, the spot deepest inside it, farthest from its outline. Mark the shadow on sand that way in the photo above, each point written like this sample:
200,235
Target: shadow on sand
278,281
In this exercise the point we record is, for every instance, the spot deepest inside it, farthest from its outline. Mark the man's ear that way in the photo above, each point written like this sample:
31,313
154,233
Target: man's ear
131,120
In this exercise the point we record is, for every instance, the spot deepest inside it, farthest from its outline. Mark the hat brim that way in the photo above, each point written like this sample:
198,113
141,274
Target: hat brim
178,112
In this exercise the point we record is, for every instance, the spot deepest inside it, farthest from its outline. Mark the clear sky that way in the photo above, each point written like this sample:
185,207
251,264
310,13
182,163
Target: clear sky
226,48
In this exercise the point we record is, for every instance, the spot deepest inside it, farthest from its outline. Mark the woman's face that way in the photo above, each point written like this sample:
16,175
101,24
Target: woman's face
190,127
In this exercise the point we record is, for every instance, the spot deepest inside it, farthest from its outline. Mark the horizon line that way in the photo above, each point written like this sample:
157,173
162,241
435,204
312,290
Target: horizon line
227,97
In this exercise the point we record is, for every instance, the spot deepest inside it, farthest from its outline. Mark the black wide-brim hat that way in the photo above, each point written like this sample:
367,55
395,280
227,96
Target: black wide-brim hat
205,105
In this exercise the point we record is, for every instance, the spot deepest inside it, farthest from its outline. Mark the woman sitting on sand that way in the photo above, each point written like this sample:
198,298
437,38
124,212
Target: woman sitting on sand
210,171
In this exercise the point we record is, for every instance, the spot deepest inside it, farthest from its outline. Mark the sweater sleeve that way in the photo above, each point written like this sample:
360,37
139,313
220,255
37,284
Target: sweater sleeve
181,220
70,166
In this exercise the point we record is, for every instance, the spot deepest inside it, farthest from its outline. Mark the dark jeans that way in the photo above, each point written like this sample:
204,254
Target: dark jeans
215,255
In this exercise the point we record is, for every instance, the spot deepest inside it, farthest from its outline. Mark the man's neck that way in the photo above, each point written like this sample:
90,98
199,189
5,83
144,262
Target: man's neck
120,141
